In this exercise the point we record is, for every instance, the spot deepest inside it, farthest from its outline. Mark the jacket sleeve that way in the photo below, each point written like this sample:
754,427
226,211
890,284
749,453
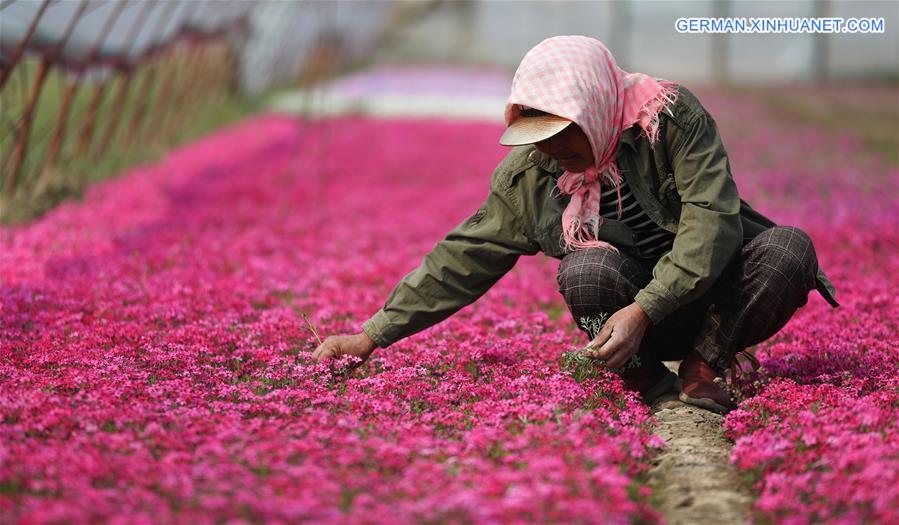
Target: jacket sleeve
709,231
459,269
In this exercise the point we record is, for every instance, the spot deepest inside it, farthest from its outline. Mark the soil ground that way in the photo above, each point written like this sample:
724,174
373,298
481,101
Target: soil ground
692,481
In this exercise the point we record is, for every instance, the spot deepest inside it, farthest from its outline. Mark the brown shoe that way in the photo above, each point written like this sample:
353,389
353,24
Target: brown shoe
699,387
651,380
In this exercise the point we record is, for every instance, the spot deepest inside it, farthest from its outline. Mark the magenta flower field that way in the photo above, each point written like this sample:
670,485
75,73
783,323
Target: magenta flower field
154,364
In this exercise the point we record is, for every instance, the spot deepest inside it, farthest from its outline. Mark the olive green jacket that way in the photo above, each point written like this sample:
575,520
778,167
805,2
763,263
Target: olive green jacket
684,184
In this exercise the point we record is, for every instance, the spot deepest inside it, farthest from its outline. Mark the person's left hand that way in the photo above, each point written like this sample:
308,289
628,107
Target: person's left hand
620,336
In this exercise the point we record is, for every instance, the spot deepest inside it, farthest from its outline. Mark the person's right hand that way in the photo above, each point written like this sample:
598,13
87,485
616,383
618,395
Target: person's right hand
359,345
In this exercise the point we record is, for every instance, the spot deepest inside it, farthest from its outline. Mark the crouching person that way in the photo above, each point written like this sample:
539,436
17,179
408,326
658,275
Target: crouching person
623,177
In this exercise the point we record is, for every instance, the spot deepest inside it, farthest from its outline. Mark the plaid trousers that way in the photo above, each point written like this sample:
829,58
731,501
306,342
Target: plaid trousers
751,300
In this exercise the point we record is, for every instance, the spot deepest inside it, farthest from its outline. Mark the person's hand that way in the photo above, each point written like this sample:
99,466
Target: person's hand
619,338
359,345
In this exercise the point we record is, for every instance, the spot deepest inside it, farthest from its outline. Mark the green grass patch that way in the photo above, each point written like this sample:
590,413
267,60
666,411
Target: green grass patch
189,108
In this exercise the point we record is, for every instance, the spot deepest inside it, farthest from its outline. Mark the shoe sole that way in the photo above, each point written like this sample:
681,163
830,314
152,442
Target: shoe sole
704,402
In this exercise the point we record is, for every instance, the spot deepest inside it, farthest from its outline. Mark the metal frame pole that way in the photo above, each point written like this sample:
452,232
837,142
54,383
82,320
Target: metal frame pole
93,108
17,55
192,64
114,116
21,147
72,89
24,128
170,74
90,119
56,142
142,104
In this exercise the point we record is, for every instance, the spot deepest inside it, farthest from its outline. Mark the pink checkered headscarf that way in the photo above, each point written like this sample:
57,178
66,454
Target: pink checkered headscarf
576,77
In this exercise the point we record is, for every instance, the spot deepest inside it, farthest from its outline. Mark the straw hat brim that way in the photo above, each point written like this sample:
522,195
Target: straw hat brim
528,130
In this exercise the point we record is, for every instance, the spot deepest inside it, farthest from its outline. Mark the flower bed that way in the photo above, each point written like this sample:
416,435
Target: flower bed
818,430
154,365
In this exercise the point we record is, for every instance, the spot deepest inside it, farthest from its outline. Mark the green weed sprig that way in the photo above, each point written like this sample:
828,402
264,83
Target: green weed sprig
582,367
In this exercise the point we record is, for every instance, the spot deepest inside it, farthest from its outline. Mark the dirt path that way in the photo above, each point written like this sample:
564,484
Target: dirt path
691,479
